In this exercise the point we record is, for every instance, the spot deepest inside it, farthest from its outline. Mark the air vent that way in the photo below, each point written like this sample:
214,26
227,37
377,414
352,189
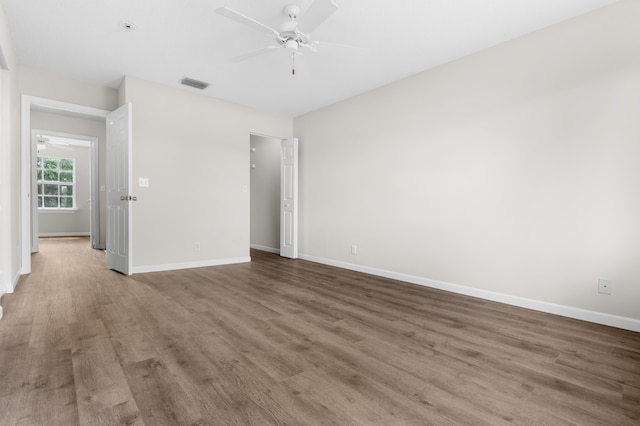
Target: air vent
201,85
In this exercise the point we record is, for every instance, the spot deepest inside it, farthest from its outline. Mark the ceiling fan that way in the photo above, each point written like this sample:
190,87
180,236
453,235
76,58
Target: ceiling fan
43,141
292,34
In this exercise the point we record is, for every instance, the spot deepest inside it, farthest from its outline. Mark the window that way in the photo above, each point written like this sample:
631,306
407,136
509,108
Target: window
56,183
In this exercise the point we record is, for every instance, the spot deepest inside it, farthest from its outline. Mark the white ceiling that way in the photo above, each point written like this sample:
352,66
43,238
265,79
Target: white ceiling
176,38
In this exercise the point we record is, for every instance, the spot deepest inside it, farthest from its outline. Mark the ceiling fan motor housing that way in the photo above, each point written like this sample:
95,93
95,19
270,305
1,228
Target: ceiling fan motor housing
291,10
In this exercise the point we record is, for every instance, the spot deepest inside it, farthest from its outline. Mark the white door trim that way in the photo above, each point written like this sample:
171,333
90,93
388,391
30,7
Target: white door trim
28,103
6,280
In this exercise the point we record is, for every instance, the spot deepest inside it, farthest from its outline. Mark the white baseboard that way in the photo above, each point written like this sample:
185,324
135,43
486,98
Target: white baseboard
12,286
537,305
64,234
264,248
8,290
188,265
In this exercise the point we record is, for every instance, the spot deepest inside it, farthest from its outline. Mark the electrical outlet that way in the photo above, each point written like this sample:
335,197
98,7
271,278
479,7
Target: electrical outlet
604,286
196,246
354,249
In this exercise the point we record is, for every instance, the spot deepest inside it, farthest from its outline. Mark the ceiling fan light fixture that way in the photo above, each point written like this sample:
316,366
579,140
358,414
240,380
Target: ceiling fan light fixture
291,44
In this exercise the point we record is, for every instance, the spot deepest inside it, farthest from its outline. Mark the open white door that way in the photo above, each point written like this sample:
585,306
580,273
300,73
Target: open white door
289,199
118,189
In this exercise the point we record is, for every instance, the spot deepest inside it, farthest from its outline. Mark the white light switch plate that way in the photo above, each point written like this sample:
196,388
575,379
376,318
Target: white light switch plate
143,182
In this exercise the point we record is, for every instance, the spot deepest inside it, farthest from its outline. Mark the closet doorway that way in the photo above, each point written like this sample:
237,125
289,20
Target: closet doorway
265,193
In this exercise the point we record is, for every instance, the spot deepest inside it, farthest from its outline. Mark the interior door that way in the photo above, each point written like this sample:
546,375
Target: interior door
289,198
118,189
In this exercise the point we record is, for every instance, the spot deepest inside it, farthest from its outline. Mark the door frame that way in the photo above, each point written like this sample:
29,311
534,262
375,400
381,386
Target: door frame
26,212
94,192
292,250
6,278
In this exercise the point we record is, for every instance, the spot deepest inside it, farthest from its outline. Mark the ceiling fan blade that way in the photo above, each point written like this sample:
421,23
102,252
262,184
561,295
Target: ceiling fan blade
316,46
61,146
245,20
317,13
254,53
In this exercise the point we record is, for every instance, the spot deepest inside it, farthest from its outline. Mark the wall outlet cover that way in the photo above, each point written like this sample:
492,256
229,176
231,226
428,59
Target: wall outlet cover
604,286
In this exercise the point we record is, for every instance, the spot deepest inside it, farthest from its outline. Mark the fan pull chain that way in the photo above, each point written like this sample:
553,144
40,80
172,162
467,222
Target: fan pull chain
293,63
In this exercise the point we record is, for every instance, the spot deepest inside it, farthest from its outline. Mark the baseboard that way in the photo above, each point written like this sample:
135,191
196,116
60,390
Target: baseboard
10,287
64,234
626,323
189,265
8,290
264,248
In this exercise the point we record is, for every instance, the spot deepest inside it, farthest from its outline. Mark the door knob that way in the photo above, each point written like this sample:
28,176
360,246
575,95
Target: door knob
123,198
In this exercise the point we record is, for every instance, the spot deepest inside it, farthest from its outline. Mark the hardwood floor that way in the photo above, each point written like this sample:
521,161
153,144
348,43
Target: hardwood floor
279,341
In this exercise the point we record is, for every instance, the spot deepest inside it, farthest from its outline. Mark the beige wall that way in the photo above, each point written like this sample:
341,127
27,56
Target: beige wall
46,85
265,193
77,222
195,152
514,171
81,127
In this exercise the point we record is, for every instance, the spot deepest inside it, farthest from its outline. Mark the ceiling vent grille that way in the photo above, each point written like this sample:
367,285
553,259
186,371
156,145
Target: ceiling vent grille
196,84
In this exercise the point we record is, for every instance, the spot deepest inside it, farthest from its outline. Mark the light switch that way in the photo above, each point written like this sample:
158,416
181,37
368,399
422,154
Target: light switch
143,182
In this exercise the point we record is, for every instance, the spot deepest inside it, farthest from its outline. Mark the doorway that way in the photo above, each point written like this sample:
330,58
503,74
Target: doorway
67,202
274,182
265,193
32,105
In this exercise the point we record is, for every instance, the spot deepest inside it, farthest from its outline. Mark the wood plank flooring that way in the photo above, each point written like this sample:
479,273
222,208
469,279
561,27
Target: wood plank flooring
289,342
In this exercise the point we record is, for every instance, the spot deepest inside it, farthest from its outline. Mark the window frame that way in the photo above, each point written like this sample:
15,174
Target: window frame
40,169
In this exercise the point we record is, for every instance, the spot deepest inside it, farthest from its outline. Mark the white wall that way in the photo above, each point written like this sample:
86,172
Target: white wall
195,152
10,261
80,126
514,171
77,222
265,193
